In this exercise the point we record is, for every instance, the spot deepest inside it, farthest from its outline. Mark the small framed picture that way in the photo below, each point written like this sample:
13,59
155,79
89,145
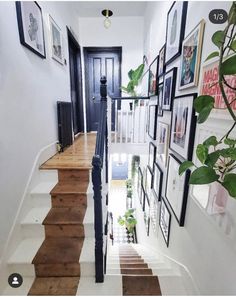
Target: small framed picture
151,155
142,197
157,181
164,221
152,90
56,41
152,119
147,213
176,19
149,181
160,100
183,124
30,25
161,68
162,138
177,189
191,57
154,211
169,88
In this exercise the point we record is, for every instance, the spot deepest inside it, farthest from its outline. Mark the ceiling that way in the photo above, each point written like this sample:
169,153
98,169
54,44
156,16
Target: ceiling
119,8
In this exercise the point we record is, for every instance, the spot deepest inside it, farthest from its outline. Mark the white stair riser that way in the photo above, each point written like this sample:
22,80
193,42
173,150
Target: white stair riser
89,230
32,230
48,175
87,269
24,269
41,200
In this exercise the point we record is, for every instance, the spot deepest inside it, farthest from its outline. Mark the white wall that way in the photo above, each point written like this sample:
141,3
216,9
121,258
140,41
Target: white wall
29,89
206,244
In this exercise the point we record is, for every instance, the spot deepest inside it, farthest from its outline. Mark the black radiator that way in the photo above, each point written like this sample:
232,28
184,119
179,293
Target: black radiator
64,116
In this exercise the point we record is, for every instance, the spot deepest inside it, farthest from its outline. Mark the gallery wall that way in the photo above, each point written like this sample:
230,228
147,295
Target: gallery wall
206,243
29,89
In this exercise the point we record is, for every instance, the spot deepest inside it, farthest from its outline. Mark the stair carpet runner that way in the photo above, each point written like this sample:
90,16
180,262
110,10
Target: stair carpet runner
137,278
56,263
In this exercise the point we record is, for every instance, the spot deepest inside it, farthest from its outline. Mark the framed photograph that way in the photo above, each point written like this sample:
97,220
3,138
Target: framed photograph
162,138
169,88
191,57
164,221
161,67
152,120
152,90
30,25
176,19
139,183
183,124
154,212
151,155
149,181
142,197
56,41
157,181
147,213
177,189
144,84
160,100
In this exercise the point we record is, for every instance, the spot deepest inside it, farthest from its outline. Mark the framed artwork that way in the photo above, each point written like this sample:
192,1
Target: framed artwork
164,221
176,19
144,84
162,138
160,100
152,119
161,66
191,57
56,41
142,197
154,214
157,181
152,90
147,213
183,124
169,88
139,183
177,189
30,25
149,181
151,155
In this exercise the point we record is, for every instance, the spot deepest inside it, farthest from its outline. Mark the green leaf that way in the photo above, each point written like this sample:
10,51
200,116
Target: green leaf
184,166
230,184
228,153
203,175
124,89
229,141
130,74
229,66
212,158
212,55
137,74
233,45
130,87
232,14
212,140
218,38
203,105
202,153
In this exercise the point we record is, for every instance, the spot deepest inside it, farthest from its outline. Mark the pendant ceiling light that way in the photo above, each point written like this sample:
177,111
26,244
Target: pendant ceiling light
107,14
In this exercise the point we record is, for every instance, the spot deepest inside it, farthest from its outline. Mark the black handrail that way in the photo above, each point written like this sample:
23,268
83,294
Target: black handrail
98,158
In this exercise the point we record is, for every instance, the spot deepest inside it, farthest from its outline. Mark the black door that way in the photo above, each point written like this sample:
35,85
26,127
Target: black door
75,83
98,62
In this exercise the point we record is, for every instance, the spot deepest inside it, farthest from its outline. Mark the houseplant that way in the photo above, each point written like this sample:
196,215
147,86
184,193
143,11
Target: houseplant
218,164
128,220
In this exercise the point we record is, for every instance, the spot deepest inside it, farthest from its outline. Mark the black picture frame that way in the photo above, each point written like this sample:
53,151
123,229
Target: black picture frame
175,29
169,88
142,197
153,77
183,125
139,183
160,100
149,181
165,221
154,212
152,120
146,214
33,43
151,155
161,64
157,181
176,198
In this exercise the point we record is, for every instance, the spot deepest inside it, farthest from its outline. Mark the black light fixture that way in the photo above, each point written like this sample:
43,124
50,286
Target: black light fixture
107,14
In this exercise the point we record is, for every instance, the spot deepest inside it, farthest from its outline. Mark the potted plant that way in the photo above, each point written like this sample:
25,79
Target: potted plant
128,220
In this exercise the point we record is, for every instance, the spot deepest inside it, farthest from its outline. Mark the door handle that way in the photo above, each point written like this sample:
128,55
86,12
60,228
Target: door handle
93,98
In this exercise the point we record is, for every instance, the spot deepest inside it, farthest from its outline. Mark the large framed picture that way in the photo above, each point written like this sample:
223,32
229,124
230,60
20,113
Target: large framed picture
160,100
176,19
177,189
161,67
152,90
162,137
164,221
157,181
191,57
152,119
183,124
56,41
169,88
30,25
147,213
151,155
154,207
149,181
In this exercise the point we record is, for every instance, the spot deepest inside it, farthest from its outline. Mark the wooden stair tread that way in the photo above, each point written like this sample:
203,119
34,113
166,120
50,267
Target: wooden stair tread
57,250
70,188
65,216
46,286
136,271
133,265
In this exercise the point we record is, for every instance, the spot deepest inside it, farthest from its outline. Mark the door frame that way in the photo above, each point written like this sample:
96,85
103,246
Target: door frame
86,52
79,85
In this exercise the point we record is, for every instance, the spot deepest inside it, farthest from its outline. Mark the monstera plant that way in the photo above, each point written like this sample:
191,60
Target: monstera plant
128,220
218,156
